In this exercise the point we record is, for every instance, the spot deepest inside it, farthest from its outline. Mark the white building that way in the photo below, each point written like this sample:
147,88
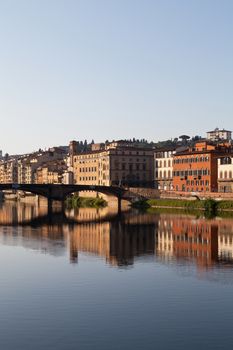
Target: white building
225,173
218,134
163,160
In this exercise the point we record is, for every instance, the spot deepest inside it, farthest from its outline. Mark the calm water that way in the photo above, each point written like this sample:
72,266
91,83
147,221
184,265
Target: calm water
147,281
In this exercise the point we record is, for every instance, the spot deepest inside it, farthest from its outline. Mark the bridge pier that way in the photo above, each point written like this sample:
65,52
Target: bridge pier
50,206
63,206
119,204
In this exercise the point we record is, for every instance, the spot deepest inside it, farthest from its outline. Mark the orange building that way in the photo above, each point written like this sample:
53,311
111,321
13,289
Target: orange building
196,169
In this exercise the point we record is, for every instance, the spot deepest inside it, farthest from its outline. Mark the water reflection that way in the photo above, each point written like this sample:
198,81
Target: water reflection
188,238
120,242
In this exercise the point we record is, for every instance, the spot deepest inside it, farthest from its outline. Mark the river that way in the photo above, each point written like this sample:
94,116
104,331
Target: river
94,280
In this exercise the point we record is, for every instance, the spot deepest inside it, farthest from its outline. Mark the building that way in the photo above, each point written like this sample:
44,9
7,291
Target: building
195,169
225,173
219,135
22,169
119,163
9,171
29,164
51,172
163,161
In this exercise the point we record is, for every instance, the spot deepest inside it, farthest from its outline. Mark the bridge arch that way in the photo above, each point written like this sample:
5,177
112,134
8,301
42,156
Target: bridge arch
59,192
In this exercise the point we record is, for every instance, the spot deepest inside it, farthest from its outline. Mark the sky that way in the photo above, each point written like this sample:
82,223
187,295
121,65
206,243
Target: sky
113,69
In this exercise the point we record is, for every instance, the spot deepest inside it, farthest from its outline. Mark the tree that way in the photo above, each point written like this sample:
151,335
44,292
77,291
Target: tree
85,145
184,137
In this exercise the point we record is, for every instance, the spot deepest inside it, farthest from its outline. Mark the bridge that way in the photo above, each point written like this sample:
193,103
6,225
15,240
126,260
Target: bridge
59,192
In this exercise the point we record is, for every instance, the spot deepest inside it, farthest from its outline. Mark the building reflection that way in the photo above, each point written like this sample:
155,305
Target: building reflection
120,242
225,240
13,212
206,242
185,237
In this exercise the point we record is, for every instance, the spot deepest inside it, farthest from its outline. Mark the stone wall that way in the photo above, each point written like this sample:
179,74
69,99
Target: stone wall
142,192
191,195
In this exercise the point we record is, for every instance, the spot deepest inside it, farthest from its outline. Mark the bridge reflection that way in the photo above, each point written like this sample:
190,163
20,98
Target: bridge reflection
17,213
163,237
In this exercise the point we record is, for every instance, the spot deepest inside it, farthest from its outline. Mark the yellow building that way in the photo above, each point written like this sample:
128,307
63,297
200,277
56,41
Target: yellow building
51,172
118,163
8,171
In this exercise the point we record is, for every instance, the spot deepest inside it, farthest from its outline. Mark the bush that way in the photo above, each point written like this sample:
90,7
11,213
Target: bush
224,205
176,203
210,205
142,204
85,202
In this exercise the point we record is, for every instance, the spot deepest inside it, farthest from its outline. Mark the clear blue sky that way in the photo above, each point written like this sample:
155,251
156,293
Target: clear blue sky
110,69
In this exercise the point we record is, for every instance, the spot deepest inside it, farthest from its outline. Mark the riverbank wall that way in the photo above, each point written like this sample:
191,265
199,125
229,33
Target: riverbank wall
218,196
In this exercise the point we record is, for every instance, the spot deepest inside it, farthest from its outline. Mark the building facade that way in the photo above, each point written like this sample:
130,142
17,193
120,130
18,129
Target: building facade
9,171
51,172
218,135
117,164
163,162
196,169
225,173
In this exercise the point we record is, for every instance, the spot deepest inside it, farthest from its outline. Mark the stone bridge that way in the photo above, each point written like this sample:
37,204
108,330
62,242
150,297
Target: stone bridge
59,192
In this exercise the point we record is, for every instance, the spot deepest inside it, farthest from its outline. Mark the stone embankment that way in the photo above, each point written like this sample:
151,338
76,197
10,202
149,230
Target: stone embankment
194,195
142,192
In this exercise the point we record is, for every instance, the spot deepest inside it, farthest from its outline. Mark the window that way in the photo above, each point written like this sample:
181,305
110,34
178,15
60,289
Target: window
225,160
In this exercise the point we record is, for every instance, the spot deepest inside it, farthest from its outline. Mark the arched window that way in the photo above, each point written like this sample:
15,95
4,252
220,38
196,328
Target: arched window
169,173
225,174
230,174
221,175
165,174
165,164
160,174
169,163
